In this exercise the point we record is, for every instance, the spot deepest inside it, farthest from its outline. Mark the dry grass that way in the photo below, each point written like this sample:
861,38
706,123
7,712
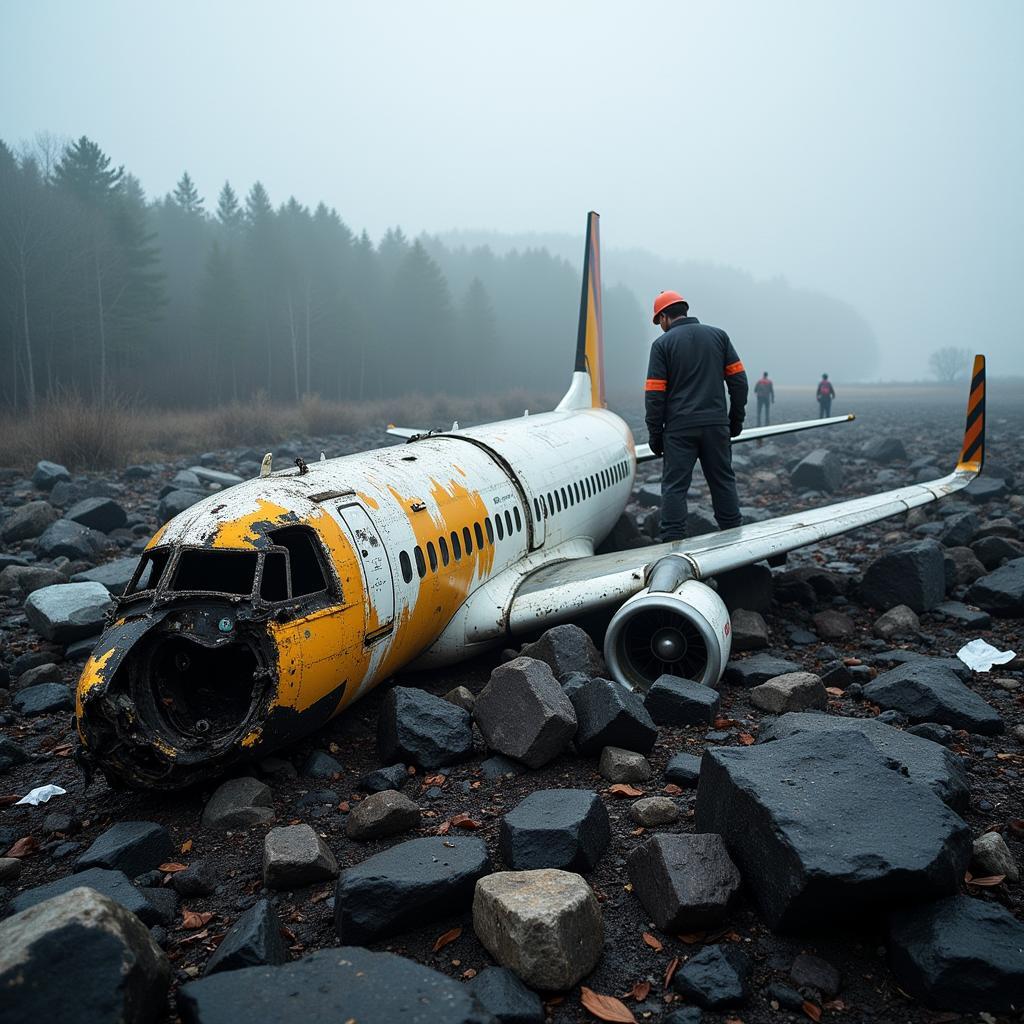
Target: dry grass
79,435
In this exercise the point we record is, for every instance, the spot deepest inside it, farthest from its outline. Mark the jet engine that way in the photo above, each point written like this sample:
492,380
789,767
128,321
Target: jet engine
675,625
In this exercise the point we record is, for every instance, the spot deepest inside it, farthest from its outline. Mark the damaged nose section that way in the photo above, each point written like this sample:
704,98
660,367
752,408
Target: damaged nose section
170,697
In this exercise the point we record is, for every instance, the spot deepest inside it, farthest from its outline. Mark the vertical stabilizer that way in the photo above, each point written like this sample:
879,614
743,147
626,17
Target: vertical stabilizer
972,455
587,389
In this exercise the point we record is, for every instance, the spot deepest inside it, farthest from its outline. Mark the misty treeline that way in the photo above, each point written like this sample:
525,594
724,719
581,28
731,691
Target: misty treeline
189,300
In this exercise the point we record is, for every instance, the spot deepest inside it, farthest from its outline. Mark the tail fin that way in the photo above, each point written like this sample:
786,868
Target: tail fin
972,455
589,366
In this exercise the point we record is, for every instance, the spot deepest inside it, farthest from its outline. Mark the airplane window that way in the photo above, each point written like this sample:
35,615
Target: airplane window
488,526
151,568
587,487
536,511
572,499
456,546
479,536
403,561
223,572
421,566
274,581
303,558
443,545
565,499
579,491
558,502
501,529
519,520
544,506
508,522
467,540
552,507
432,556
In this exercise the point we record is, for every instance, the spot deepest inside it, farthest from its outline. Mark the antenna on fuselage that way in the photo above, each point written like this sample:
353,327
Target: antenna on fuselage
267,465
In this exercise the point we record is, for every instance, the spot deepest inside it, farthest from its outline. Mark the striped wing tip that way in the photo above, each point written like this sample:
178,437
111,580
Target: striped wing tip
972,454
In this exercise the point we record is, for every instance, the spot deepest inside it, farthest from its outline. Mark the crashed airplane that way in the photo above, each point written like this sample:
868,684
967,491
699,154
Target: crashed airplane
263,611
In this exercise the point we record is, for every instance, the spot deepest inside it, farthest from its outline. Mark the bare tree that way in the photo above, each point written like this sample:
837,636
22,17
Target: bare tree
949,363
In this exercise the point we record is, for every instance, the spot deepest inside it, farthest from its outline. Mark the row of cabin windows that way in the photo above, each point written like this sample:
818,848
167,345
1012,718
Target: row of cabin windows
565,497
454,546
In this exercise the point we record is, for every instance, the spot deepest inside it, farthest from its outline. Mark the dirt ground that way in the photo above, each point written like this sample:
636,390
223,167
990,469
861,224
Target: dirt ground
927,425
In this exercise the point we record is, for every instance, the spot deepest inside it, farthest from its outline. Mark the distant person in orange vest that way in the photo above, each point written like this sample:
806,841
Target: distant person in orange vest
764,390
825,395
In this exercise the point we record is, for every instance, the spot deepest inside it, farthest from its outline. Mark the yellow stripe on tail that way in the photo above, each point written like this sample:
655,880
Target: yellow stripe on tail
590,337
972,455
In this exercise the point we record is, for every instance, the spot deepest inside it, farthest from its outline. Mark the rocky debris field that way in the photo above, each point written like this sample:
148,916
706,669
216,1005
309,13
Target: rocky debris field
835,834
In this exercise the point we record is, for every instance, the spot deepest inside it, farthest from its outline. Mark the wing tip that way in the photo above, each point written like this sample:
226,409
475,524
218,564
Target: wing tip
972,454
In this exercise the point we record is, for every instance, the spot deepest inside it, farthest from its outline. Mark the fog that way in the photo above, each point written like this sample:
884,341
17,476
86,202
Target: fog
871,152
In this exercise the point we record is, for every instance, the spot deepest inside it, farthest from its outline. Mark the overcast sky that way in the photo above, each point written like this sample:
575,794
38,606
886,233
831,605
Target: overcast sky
874,150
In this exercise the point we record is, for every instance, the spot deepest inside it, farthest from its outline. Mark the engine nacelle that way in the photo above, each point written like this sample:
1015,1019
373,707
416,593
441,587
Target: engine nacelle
681,632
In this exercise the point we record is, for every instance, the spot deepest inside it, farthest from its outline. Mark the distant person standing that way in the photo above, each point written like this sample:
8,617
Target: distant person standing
687,418
825,395
764,391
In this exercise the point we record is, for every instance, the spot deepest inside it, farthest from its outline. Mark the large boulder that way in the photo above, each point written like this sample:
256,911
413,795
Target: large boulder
71,540
913,574
68,611
43,698
959,954
409,884
27,521
331,986
80,956
294,855
794,691
133,847
992,552
920,759
821,470
114,884
382,814
749,630
672,700
958,530
239,803
215,477
757,669
49,473
715,977
103,514
567,649
825,827
545,925
685,882
524,713
115,575
926,692
609,715
500,992
175,502
1001,592
415,726
22,580
962,567
885,449
556,828
253,940
750,587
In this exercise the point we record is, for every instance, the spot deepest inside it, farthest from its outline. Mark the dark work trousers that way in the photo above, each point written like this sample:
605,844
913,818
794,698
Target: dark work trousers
824,407
764,406
712,446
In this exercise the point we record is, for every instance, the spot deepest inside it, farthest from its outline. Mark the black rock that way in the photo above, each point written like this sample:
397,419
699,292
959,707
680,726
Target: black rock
566,649
11,753
391,777
254,940
715,977
813,972
824,826
129,846
114,884
835,673
573,681
101,514
198,879
72,540
913,574
501,993
925,692
47,474
609,715
675,701
624,535
932,731
37,700
1001,592
409,884
683,769
320,765
331,986
993,551
757,669
959,954
971,618
175,502
821,470
649,494
498,766
787,998
958,530
415,726
986,488
885,449
556,828
750,587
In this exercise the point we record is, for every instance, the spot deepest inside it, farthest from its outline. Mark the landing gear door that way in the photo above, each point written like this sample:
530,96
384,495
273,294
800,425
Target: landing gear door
380,585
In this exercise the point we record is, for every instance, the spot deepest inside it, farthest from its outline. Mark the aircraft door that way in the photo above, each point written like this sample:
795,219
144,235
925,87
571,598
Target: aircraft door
376,565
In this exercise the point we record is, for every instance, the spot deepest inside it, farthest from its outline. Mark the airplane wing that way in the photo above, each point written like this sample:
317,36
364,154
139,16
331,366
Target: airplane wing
561,591
405,432
644,453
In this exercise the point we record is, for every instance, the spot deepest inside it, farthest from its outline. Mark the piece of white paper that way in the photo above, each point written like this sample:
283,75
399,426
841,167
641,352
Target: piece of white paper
979,655
40,795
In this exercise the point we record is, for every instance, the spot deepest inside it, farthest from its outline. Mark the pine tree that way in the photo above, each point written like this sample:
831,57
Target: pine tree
229,213
424,343
187,197
85,171
477,333
257,205
222,323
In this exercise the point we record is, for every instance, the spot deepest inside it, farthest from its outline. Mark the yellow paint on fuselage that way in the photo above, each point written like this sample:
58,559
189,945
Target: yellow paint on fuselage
92,675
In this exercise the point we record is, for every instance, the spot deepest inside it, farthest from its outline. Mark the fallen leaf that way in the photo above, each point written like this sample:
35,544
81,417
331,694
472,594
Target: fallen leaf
172,868
434,780
447,938
24,847
465,821
1016,825
746,739
987,882
640,991
469,972
344,807
442,829
624,789
812,1011
724,723
692,938
8,799
64,750
186,847
673,966
834,691
653,942
672,789
606,1008
835,1004
191,919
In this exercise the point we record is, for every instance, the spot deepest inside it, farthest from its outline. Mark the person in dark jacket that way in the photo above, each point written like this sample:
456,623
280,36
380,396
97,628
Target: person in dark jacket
764,391
687,418
825,395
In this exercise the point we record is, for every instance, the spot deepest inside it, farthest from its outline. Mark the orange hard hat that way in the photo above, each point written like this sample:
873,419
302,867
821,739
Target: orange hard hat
663,300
